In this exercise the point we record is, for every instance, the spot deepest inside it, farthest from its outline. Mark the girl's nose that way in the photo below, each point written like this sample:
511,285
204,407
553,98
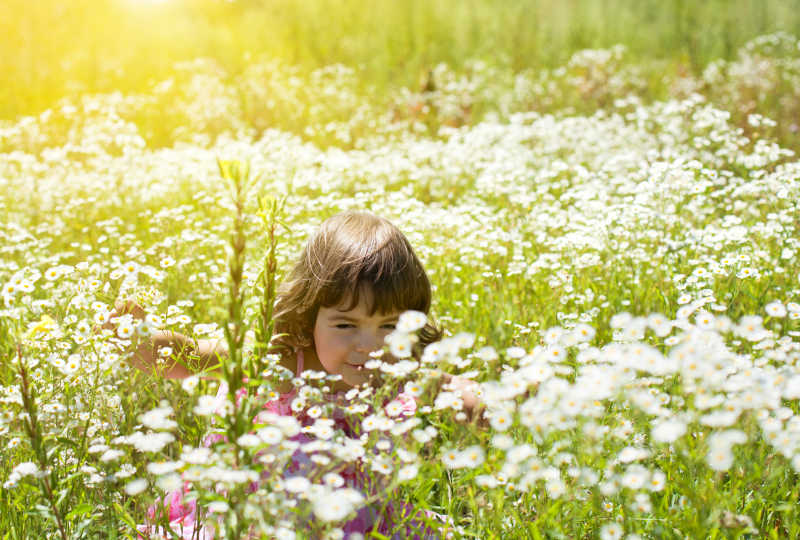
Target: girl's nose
368,342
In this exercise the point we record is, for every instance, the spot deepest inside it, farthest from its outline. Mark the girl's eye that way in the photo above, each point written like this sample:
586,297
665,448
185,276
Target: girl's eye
344,325
389,326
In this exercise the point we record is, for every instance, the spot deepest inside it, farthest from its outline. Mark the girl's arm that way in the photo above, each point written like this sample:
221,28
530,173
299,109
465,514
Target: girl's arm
169,354
175,356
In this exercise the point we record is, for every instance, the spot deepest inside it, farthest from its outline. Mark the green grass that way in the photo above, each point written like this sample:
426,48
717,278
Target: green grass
53,49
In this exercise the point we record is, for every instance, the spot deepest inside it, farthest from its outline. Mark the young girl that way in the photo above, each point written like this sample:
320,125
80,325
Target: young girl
355,277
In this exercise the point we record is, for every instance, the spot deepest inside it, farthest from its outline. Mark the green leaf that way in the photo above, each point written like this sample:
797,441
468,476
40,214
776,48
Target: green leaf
61,496
68,442
44,511
79,511
124,515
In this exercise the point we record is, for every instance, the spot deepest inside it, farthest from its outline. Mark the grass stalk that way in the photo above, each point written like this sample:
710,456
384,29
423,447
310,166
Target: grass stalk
237,174
271,210
33,430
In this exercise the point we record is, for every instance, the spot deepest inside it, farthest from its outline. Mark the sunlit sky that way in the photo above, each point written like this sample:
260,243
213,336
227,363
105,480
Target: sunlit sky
146,2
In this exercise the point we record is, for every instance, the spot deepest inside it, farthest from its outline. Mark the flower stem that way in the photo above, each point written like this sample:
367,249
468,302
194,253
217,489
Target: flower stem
270,213
35,435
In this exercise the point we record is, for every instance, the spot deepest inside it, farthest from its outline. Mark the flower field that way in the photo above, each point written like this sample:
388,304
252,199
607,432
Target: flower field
615,268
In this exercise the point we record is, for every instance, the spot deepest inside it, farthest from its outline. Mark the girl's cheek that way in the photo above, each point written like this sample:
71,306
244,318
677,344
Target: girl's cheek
338,341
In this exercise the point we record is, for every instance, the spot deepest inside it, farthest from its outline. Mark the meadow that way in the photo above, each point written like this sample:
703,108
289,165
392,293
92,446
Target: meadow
613,245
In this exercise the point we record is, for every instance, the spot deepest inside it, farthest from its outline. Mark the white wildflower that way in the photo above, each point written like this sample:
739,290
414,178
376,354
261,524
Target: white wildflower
611,531
668,431
411,321
297,484
134,487
157,418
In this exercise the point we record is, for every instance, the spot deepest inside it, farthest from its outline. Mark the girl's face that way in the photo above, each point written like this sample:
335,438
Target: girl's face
344,338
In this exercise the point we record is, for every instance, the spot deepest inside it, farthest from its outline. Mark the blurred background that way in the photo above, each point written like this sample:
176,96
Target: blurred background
54,49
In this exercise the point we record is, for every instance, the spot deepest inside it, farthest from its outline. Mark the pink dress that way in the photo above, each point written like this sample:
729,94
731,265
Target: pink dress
379,517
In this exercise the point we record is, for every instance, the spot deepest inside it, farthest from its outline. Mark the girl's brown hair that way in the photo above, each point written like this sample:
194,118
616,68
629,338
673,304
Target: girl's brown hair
351,252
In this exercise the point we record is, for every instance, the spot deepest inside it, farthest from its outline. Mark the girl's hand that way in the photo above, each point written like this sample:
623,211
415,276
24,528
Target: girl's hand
121,307
473,406
124,307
